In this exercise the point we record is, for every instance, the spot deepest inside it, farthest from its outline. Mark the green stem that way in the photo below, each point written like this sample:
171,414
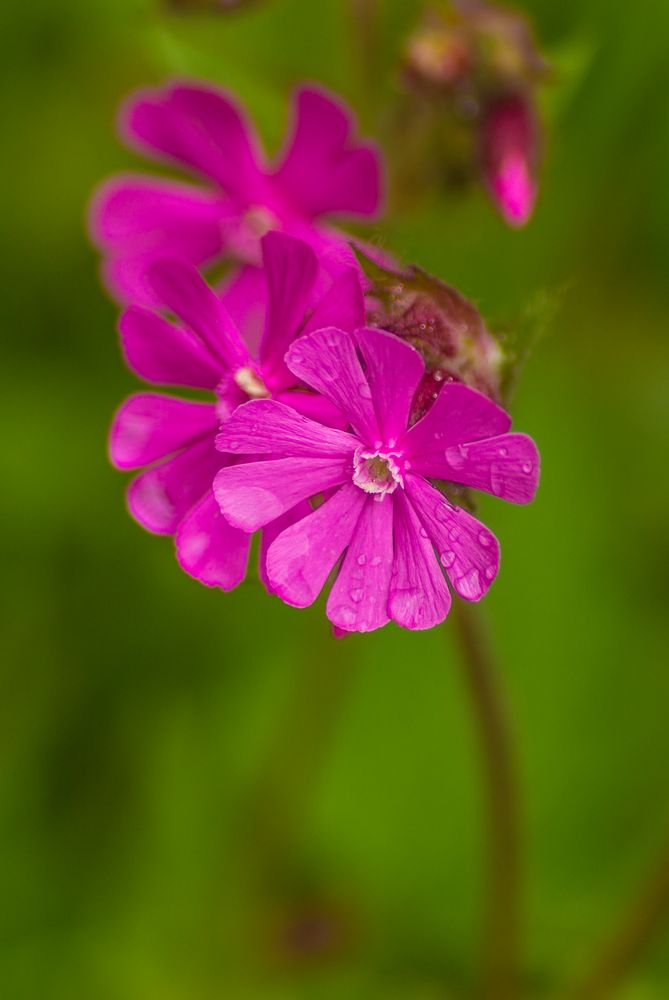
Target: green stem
500,962
632,936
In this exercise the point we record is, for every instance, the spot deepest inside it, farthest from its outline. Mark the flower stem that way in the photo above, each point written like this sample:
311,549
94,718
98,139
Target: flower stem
502,929
633,934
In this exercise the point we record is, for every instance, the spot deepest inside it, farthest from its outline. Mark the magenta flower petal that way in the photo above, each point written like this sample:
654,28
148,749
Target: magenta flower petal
312,406
458,414
202,129
359,597
394,370
300,560
468,551
273,530
343,305
210,549
253,494
326,360
419,597
268,427
291,268
244,296
136,218
161,496
149,426
181,288
507,466
323,169
163,353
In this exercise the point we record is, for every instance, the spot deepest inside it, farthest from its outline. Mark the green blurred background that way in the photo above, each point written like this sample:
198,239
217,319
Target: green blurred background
204,795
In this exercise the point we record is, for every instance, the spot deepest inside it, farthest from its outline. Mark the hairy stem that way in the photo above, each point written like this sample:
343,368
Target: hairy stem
502,929
633,934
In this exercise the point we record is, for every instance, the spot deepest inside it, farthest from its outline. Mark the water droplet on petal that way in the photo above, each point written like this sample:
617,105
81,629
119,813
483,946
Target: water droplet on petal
364,390
490,572
469,585
441,513
344,615
356,595
447,558
497,480
362,559
423,533
527,468
503,452
484,539
456,456
375,561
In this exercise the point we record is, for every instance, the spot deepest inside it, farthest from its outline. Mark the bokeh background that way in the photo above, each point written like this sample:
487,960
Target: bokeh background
204,795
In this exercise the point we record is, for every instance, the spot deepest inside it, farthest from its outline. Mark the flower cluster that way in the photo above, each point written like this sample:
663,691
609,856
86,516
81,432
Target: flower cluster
478,63
340,421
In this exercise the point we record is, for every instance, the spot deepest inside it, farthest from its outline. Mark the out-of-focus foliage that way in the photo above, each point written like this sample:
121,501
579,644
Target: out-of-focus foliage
204,795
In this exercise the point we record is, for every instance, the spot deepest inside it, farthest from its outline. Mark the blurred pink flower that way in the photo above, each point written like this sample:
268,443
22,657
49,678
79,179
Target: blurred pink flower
323,170
380,509
175,437
509,142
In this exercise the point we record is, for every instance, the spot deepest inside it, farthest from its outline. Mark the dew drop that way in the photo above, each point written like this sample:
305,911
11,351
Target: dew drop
484,539
490,572
503,452
441,513
423,533
362,559
356,595
469,585
456,456
447,558
344,615
364,390
527,468
497,480
375,561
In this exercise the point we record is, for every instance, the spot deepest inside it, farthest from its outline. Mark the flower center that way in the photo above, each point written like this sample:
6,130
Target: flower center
251,383
258,220
376,471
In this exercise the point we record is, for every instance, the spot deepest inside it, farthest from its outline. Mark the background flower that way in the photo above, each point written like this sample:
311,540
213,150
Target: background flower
324,170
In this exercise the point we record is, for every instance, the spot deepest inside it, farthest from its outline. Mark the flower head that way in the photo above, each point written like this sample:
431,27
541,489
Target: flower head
381,511
175,437
324,170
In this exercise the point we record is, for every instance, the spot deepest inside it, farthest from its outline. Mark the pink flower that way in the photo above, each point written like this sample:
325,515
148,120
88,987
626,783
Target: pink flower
323,171
509,152
175,437
380,508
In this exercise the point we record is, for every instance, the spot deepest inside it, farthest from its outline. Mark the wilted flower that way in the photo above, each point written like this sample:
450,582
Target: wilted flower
380,508
175,437
324,170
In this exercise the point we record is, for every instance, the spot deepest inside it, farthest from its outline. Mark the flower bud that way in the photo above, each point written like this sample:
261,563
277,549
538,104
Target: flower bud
472,68
509,145
447,330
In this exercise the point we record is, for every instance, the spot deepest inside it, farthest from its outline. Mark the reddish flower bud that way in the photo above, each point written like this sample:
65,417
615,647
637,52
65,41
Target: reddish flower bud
442,324
509,146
